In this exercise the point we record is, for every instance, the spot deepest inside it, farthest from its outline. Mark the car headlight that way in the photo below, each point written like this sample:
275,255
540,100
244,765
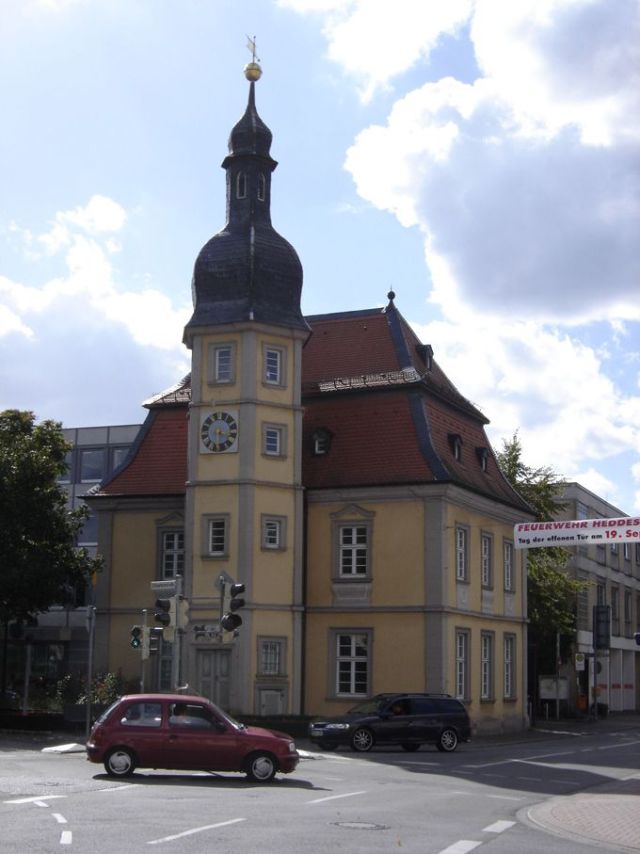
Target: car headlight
292,747
337,726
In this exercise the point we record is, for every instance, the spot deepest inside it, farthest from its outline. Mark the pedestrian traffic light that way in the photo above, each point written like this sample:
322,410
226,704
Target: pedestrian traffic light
136,637
230,620
165,614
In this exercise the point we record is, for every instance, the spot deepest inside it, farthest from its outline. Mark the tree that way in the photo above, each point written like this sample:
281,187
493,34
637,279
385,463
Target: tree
40,564
551,593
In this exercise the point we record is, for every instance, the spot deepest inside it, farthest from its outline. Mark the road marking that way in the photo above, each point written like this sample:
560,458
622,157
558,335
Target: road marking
335,797
66,837
194,830
460,847
59,818
498,827
119,788
37,799
504,798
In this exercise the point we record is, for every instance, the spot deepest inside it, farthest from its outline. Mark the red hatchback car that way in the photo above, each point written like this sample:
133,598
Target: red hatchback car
177,731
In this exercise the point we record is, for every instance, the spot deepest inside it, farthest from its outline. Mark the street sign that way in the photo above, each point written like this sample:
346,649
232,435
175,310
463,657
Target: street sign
164,589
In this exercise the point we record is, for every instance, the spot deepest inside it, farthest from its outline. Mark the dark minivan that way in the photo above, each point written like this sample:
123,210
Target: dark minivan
405,719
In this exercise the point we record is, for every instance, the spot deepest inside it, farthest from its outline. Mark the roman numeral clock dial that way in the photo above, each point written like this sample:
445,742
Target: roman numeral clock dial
219,432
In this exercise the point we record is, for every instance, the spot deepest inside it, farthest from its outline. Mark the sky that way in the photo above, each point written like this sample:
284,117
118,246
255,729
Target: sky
478,157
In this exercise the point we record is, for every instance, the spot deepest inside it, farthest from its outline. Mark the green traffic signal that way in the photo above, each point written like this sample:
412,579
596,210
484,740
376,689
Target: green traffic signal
136,637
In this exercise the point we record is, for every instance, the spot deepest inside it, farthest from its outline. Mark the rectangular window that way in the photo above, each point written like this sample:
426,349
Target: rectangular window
217,539
507,564
627,614
352,663
172,553
486,569
118,456
486,666
274,366
274,440
462,664
615,611
270,656
509,667
601,594
92,464
221,363
354,551
273,532
461,554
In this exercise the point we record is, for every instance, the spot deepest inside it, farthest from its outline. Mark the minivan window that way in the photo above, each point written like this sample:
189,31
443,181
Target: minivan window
423,706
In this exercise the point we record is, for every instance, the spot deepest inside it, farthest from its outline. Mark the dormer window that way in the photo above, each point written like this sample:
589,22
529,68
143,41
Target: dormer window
455,441
241,186
483,458
321,440
425,351
262,187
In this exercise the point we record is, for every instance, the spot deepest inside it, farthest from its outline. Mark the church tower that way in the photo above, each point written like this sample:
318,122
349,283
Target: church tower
244,493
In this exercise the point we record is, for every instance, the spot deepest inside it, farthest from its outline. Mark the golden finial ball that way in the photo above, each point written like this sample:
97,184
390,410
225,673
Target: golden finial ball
252,71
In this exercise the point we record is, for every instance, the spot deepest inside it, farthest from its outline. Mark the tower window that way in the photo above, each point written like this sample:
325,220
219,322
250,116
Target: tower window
262,187
241,186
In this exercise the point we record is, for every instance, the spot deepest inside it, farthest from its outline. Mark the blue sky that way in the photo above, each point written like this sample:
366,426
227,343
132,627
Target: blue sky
479,157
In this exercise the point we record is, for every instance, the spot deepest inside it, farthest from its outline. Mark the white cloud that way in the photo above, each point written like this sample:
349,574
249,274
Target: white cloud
87,282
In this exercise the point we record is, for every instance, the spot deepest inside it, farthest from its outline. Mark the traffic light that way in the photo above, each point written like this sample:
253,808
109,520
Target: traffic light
637,638
166,615
146,643
182,613
230,620
136,637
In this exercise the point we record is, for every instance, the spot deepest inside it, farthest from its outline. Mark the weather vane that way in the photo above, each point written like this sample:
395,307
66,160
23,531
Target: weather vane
252,70
251,45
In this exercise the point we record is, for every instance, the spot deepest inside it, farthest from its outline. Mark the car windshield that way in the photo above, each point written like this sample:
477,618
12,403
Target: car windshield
369,707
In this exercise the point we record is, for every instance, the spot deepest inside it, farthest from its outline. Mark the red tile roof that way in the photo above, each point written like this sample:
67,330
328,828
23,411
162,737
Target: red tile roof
395,426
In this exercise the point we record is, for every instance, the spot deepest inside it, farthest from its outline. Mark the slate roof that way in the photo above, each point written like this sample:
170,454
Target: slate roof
392,415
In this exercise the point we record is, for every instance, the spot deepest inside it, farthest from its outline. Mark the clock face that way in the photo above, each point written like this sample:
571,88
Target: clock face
219,432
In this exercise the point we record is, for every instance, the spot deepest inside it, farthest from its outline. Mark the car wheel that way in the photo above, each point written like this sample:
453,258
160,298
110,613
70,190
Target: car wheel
410,746
120,762
448,740
362,740
329,746
261,767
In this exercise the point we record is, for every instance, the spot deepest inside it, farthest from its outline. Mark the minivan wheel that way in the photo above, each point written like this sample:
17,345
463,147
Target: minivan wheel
261,767
120,762
410,746
362,740
448,740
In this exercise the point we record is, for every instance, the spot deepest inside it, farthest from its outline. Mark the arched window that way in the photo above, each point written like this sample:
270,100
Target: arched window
262,187
241,186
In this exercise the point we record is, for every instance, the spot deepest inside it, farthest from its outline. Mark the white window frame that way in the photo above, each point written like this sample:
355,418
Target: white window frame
509,686
173,550
274,532
274,372
274,440
271,656
351,664
354,550
486,560
486,665
508,556
462,664
462,553
218,522
222,363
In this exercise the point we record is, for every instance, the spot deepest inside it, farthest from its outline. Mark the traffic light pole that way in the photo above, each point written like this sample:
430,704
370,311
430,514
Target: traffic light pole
143,660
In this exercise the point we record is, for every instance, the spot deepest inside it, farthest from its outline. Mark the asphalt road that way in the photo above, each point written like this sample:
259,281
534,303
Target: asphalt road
497,795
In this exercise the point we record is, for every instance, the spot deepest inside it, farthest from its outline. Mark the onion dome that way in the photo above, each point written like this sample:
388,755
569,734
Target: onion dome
247,272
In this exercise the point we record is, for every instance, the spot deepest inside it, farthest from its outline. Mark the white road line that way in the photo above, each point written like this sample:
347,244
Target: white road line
119,788
498,827
59,818
335,797
36,799
66,837
194,830
460,847
504,798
